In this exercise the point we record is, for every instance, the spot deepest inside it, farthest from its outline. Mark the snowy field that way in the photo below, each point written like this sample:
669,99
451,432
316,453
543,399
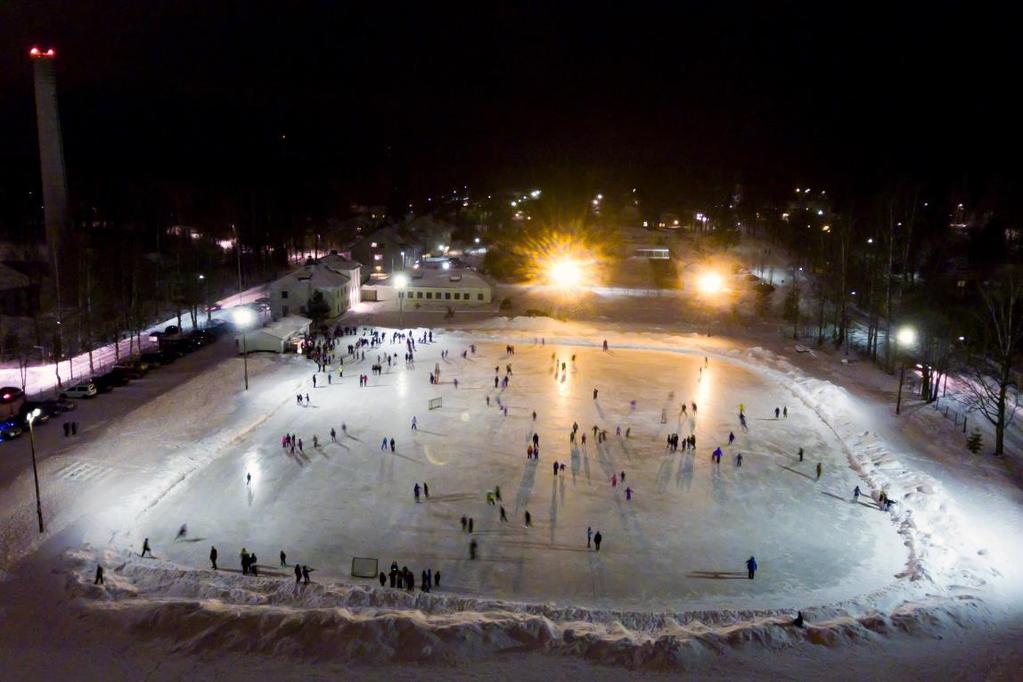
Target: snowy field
666,591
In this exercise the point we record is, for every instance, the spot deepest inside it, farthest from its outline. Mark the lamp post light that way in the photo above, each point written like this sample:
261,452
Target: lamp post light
906,336
401,285
243,319
32,416
206,297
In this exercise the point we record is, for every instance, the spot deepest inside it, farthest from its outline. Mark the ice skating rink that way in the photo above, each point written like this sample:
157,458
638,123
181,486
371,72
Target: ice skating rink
681,542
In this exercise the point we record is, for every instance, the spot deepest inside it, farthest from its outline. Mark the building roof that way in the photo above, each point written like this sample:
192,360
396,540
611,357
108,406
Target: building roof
338,263
438,278
284,328
317,277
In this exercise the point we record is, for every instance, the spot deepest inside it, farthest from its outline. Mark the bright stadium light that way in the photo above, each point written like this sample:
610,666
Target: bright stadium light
711,283
566,273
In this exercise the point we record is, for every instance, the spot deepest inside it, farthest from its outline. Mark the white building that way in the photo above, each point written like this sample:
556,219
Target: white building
282,336
432,286
334,276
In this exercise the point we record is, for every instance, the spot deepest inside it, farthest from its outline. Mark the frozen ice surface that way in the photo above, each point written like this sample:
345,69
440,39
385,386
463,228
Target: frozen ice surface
681,542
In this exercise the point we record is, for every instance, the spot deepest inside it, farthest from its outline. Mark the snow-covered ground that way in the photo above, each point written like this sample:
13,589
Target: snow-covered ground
666,591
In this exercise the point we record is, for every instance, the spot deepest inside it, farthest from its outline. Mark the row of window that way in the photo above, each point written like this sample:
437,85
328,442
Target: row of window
448,295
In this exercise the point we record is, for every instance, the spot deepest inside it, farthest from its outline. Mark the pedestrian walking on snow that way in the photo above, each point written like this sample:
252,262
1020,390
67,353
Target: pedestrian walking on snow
856,494
284,559
800,454
305,573
213,557
414,424
628,494
529,519
596,540
415,491
465,522
383,579
751,567
504,517
818,471
471,524
392,445
472,549
776,412
99,575
298,574
731,437
145,548
589,536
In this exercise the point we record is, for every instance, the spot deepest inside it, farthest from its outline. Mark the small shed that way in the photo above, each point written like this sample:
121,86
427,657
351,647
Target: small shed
282,336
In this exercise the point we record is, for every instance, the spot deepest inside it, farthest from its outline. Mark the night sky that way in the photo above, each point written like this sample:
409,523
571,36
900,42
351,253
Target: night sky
372,97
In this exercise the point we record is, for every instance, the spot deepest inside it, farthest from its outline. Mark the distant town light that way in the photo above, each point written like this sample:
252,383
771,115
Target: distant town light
514,203
477,240
535,194
870,240
820,211
400,280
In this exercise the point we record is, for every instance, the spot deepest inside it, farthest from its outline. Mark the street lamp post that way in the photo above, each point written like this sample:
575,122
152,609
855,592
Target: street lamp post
205,297
906,336
243,319
400,285
35,472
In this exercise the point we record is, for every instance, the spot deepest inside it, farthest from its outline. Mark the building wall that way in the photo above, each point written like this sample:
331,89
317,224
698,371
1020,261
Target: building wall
446,295
298,294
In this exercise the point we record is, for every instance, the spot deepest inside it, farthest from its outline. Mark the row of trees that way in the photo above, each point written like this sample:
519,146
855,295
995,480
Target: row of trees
860,273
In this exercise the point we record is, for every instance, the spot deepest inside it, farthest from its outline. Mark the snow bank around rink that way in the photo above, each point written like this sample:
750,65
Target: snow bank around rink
202,611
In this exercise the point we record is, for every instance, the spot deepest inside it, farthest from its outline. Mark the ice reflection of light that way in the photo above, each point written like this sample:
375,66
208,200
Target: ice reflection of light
402,384
252,466
703,386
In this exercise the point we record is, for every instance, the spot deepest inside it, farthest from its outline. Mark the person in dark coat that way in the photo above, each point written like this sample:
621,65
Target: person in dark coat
213,557
751,567
383,579
298,574
596,540
305,574
472,548
436,579
284,559
145,548
99,575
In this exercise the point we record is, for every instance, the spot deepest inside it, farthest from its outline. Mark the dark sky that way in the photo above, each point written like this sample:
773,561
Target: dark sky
373,94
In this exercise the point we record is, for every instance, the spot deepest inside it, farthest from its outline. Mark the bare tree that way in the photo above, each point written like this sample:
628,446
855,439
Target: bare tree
993,390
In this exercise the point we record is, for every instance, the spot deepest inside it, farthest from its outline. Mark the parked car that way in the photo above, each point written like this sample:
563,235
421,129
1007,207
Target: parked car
10,429
106,382
30,405
155,336
130,370
152,359
217,327
85,389
167,355
60,406
171,330
201,337
214,307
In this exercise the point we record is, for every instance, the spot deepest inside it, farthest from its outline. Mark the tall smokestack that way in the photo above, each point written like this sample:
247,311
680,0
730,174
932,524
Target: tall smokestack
51,163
